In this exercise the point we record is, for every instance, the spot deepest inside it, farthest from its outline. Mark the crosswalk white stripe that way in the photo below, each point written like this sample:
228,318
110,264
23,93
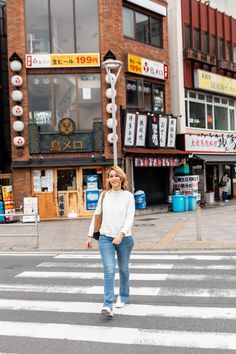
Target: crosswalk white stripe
104,334
134,291
151,256
136,266
225,313
86,275
23,254
133,276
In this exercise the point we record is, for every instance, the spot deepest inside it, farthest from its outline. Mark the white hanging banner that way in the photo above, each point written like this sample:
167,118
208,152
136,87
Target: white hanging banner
141,130
162,131
130,129
171,137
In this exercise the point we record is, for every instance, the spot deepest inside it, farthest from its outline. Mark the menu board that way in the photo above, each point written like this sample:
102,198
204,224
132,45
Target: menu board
9,205
30,208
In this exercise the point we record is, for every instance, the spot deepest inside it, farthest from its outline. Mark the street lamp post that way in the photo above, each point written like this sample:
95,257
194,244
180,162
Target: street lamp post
113,68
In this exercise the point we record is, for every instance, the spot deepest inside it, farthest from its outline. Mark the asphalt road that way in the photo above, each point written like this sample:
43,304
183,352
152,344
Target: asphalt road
180,303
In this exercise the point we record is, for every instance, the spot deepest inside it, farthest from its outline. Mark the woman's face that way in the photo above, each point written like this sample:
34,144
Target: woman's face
114,180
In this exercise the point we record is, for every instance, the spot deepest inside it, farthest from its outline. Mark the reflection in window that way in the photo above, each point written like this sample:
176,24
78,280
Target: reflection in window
142,30
156,32
147,90
66,180
62,26
128,22
87,33
221,118
197,115
134,95
40,101
209,117
37,26
158,98
89,88
64,88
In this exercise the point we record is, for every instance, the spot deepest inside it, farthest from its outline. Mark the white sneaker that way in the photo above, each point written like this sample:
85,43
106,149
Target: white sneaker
119,304
107,312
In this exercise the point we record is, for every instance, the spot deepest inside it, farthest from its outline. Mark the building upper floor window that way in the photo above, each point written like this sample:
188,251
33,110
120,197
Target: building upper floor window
228,51
187,36
55,97
234,53
221,48
205,42
54,26
196,33
213,45
143,28
145,95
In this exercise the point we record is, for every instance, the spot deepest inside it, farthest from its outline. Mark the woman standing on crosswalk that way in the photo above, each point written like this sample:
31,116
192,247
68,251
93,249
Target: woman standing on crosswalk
117,207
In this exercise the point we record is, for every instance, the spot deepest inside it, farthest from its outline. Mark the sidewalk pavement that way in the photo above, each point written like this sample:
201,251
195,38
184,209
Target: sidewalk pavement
212,227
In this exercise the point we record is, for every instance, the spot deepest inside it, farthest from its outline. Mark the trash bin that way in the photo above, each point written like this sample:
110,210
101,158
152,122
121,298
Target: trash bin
192,202
140,200
186,203
177,202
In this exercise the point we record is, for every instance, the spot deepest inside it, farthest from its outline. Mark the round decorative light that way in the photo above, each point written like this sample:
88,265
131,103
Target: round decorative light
18,126
17,111
15,65
110,138
17,95
109,108
110,123
109,93
19,141
16,80
113,77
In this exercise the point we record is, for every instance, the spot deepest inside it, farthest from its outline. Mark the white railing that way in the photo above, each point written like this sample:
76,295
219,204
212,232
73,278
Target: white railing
17,220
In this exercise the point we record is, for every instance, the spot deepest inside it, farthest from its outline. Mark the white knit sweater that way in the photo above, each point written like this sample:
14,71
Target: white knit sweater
118,213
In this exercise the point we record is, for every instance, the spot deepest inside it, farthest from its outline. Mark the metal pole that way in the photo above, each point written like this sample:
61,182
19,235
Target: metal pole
37,230
115,160
198,224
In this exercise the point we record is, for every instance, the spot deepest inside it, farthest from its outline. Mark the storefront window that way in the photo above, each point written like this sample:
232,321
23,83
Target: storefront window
37,26
221,118
197,115
220,112
143,28
90,101
65,98
92,183
40,101
87,32
71,27
145,95
54,97
66,180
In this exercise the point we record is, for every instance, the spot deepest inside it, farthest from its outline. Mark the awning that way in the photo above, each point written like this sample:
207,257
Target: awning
145,151
217,158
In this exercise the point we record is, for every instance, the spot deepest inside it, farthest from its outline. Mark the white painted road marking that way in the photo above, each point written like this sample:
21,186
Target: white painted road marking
136,266
152,256
133,276
105,334
134,291
225,313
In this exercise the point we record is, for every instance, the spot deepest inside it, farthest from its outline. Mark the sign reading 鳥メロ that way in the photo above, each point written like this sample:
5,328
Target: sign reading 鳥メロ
147,67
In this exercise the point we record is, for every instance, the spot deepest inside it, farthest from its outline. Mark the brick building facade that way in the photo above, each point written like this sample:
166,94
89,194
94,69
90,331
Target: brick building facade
54,164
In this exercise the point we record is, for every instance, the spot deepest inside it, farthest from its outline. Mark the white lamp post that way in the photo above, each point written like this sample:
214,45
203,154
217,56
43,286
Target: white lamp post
110,63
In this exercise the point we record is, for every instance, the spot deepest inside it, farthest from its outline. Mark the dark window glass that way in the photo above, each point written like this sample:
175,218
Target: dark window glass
134,94
37,26
221,49
213,45
147,93
156,32
209,117
40,101
128,22
158,98
232,119
228,51
204,42
197,115
221,118
63,40
66,180
186,114
142,27
87,32
187,36
196,39
234,53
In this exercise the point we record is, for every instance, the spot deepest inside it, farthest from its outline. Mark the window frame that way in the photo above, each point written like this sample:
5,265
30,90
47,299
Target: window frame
150,16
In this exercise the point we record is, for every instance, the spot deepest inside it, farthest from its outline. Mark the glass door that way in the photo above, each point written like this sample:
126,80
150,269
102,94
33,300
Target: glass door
67,194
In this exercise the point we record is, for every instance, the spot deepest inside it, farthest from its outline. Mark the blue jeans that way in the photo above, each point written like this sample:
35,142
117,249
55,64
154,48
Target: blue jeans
107,251
224,196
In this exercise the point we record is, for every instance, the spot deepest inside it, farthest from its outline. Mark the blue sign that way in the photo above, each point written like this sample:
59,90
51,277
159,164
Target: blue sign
92,181
92,197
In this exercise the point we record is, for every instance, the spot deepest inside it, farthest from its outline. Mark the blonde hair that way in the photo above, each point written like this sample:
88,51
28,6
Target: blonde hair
121,174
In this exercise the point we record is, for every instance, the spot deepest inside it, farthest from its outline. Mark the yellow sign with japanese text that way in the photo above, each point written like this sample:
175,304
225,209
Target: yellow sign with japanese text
213,82
134,64
62,60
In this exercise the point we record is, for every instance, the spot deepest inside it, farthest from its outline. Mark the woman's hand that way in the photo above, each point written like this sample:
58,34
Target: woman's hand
89,242
117,240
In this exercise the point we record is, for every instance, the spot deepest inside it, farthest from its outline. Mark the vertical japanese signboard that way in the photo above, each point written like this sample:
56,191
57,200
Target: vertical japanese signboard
171,136
141,130
153,136
130,129
162,131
